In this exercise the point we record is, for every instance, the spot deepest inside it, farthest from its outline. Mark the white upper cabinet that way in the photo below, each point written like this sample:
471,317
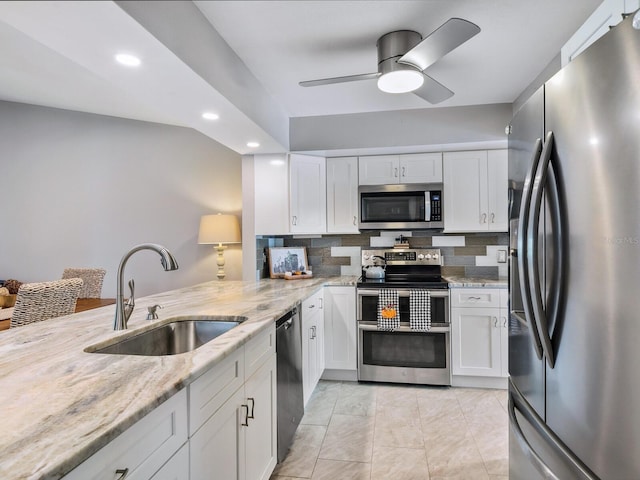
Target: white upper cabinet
607,15
342,195
271,196
475,191
308,194
411,168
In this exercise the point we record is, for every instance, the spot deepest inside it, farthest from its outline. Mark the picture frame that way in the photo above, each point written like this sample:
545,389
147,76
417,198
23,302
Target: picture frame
287,259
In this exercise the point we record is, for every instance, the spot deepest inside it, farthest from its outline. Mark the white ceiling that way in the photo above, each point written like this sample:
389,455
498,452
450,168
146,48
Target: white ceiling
59,54
285,42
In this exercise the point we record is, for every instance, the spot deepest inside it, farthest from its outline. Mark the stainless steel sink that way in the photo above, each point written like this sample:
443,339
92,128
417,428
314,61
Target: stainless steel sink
179,336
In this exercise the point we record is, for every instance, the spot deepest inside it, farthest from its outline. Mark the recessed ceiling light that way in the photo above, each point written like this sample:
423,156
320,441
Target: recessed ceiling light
253,144
128,60
210,116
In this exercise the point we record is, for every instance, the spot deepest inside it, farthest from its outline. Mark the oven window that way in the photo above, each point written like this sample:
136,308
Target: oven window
369,306
404,349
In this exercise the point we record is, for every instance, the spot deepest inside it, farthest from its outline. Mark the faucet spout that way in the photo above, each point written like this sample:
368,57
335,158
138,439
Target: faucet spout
123,312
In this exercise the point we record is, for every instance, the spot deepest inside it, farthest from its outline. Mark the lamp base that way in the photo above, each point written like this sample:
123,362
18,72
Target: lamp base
220,248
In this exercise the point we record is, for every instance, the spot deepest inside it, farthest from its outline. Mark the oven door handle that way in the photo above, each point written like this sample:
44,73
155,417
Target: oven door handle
372,327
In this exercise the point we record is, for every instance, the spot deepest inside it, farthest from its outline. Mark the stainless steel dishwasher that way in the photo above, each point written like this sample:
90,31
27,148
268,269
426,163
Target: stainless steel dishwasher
289,371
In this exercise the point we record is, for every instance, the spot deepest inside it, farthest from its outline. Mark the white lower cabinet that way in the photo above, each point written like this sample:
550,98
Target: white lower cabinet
479,333
229,433
141,451
340,329
312,318
238,441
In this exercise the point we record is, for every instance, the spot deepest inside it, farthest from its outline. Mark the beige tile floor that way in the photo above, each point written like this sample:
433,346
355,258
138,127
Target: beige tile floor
398,432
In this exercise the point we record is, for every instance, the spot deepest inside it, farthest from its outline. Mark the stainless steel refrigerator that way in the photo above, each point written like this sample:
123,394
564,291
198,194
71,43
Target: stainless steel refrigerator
574,272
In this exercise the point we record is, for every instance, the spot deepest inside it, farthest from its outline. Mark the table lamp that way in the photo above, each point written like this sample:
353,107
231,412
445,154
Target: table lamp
219,229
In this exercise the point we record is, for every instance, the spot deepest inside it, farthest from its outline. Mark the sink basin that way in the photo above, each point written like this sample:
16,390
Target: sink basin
179,336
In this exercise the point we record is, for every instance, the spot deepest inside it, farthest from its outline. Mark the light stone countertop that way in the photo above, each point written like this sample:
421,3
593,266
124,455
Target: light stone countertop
60,404
465,282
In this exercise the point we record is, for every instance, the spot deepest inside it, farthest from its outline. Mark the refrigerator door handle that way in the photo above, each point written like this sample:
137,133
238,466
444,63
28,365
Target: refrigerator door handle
557,282
523,254
516,401
533,250
526,447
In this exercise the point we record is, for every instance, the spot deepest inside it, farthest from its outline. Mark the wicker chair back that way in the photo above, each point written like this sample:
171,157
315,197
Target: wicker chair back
92,280
36,302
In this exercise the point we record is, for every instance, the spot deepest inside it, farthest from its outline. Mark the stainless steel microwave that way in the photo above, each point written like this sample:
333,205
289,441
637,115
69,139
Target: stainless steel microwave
401,206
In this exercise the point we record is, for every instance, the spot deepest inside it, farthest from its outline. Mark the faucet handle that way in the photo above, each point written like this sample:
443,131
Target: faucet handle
151,312
131,301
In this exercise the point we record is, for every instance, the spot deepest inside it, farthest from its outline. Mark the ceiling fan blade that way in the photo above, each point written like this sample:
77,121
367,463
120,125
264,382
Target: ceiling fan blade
433,91
450,35
329,81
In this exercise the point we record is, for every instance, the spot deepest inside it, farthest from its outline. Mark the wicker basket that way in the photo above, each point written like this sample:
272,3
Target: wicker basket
7,301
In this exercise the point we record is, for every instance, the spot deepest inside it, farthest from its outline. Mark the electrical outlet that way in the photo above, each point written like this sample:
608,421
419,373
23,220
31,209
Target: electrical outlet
502,256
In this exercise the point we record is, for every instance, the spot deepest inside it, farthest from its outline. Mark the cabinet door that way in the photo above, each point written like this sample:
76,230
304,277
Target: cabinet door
308,189
475,341
342,195
504,341
271,196
465,191
177,468
217,449
143,448
261,432
497,190
378,170
340,328
421,168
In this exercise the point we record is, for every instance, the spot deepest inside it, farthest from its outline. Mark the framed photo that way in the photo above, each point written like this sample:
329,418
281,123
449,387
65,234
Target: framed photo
287,259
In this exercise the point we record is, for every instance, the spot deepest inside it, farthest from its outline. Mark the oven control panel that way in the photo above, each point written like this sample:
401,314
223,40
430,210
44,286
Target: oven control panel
404,256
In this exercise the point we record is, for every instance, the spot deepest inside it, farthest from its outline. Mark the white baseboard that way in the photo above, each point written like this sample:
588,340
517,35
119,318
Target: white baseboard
479,382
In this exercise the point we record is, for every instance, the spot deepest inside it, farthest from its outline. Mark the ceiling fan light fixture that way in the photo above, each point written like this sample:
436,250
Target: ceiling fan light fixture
400,81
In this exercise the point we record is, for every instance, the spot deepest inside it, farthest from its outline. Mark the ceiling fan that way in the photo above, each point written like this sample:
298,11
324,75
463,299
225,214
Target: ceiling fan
404,55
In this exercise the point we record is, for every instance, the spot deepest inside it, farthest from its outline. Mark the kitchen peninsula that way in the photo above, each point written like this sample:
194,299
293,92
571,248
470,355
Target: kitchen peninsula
62,404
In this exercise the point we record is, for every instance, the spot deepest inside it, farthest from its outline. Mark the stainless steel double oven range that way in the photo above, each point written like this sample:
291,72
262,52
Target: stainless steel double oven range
404,355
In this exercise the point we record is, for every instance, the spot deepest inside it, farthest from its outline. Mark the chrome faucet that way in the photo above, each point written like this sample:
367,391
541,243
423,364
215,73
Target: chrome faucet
123,312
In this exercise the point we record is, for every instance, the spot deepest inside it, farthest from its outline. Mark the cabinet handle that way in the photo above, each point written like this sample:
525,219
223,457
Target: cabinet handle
493,218
495,322
312,332
355,220
246,416
123,472
475,299
294,220
253,404
395,172
483,218
504,323
404,171
321,303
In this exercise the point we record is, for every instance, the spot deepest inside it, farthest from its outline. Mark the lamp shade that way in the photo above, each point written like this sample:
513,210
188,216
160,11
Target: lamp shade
219,229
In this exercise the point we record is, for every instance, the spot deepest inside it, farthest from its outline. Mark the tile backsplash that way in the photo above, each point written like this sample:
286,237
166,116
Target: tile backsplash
472,255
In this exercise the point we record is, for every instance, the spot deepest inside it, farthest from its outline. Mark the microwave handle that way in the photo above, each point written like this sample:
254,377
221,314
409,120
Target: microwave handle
427,206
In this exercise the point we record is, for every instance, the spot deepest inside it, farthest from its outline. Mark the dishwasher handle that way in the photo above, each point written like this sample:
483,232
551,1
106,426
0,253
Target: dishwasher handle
287,319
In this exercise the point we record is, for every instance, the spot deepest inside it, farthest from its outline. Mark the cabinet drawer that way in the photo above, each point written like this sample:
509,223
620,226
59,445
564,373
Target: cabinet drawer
211,390
504,298
313,304
259,349
143,448
475,297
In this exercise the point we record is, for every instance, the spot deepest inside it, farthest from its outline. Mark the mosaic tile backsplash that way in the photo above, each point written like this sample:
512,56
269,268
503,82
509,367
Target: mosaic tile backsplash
473,255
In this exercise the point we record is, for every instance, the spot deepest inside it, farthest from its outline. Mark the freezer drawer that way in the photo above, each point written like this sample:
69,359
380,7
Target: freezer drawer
535,452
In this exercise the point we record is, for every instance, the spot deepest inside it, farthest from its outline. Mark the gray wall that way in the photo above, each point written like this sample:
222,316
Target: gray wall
81,189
